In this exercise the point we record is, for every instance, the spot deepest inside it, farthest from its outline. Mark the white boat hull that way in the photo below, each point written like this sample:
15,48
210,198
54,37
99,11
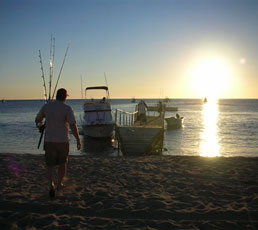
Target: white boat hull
98,131
97,120
174,123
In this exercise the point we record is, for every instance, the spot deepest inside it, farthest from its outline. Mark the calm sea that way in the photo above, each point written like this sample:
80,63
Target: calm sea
216,128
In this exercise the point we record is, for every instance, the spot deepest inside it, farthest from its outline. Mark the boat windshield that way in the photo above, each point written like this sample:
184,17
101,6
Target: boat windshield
97,92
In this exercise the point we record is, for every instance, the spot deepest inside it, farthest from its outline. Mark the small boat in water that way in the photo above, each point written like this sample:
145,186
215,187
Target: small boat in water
174,122
97,120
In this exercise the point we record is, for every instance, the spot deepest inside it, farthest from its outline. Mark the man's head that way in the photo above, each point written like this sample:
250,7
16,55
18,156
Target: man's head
61,94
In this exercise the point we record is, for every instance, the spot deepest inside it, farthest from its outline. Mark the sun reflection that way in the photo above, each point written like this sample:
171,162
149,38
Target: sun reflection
209,146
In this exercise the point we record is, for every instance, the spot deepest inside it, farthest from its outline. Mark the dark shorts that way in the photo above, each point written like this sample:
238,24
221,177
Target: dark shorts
142,117
56,153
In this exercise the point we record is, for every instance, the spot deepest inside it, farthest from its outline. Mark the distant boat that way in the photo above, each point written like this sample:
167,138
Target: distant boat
97,120
174,122
205,100
133,100
166,99
3,100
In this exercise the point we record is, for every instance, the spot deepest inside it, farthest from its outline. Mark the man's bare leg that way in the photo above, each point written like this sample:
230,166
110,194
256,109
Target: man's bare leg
50,176
50,181
61,174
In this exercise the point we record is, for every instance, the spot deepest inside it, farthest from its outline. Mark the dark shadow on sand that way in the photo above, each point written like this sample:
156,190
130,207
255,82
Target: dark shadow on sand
99,146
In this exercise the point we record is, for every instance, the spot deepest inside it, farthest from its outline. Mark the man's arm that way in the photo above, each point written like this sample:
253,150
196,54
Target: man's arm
145,104
75,132
40,116
38,120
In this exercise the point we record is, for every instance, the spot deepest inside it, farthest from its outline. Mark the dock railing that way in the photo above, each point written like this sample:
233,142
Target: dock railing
124,118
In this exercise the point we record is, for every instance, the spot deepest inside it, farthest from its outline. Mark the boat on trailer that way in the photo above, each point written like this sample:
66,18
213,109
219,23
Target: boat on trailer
97,119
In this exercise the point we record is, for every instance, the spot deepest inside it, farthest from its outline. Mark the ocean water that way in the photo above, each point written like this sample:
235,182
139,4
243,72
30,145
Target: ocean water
227,127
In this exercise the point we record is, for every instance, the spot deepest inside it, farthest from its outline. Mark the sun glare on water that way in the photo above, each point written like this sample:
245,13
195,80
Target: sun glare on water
210,78
209,146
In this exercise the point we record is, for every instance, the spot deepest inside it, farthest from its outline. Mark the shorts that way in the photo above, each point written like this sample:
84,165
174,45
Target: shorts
56,153
142,117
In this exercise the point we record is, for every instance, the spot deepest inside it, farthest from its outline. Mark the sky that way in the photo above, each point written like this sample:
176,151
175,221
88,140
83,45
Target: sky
145,48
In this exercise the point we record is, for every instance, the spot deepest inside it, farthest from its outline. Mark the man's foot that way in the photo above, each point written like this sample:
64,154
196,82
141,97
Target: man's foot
52,192
61,186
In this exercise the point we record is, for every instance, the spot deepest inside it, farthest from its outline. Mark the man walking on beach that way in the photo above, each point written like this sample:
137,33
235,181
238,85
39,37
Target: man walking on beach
58,115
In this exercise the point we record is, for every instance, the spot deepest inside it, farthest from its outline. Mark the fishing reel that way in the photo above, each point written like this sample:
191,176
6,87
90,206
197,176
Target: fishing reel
41,127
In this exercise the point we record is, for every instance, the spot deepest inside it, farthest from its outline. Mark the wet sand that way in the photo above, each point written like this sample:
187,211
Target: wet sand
153,192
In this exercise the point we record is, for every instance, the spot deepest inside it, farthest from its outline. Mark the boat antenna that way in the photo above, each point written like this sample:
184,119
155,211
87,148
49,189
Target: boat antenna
51,64
43,76
106,84
81,87
61,70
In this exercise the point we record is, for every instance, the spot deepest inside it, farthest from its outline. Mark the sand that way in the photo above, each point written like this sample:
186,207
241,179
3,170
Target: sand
151,192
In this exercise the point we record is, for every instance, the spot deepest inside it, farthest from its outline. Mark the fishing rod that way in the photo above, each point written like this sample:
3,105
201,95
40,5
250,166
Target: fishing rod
41,130
43,76
42,127
107,85
61,70
52,48
51,64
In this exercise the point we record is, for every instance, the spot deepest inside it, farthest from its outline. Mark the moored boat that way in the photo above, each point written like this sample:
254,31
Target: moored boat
97,120
174,122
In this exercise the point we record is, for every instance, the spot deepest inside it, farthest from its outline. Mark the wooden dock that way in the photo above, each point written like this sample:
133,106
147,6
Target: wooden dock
136,139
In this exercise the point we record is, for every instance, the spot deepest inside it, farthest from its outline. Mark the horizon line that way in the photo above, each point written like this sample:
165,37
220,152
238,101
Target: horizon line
127,98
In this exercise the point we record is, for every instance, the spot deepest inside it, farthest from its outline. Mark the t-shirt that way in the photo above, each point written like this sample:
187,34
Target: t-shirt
142,108
58,117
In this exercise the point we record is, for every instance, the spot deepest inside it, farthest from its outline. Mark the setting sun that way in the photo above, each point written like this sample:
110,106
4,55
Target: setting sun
210,78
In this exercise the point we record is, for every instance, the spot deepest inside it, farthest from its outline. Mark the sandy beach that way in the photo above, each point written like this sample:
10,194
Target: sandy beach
153,192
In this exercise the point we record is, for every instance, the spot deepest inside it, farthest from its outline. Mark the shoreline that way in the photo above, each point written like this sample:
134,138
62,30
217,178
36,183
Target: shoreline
141,192
116,155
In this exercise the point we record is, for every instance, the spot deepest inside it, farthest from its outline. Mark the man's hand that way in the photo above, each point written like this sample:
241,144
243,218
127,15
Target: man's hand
41,127
75,132
79,144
